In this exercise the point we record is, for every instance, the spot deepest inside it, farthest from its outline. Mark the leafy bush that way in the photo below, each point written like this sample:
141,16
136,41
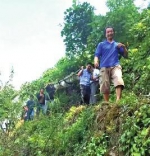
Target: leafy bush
135,138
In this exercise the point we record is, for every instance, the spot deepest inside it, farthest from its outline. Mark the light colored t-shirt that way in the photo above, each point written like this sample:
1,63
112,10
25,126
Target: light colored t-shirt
96,74
85,78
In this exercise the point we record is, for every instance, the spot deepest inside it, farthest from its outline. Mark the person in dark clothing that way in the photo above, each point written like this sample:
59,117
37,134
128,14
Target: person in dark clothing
41,102
50,92
30,105
50,89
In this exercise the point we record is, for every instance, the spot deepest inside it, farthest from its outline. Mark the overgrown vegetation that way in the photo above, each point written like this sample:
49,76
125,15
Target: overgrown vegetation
100,130
122,129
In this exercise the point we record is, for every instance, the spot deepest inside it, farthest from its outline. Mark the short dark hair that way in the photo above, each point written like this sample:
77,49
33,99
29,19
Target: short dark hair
108,27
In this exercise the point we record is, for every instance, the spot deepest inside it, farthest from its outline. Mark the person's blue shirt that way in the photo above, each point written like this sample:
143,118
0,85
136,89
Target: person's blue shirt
108,53
85,77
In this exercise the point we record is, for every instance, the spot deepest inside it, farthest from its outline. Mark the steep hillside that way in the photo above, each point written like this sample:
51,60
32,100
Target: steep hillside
105,129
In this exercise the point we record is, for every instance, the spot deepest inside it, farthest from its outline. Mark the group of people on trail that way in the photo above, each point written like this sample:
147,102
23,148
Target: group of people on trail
89,78
107,59
106,68
44,97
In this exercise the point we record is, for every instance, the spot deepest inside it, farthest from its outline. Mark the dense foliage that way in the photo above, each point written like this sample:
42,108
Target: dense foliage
77,28
74,130
85,130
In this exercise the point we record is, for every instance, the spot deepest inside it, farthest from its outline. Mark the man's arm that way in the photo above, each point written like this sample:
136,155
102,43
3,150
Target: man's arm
80,72
96,61
125,52
97,54
39,96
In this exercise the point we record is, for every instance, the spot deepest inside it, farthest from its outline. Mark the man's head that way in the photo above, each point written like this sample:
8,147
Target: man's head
109,33
42,90
25,108
88,66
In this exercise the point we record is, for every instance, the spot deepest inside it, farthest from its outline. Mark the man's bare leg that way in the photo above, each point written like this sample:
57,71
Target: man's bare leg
106,97
118,93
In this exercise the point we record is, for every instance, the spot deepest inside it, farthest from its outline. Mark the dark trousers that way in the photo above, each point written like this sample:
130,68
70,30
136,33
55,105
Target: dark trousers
85,94
29,112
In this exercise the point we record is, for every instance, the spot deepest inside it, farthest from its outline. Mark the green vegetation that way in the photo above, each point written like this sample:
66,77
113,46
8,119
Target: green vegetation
100,130
84,130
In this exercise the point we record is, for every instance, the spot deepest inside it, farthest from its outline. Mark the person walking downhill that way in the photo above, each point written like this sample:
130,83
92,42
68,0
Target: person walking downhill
50,89
50,93
85,77
41,102
107,53
30,105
